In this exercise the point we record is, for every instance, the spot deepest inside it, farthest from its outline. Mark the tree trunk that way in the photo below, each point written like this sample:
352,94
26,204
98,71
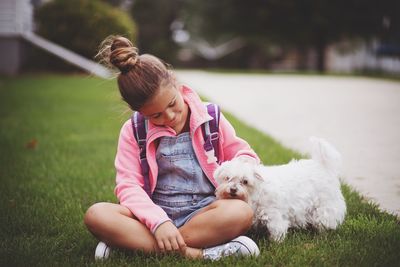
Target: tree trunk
321,47
302,58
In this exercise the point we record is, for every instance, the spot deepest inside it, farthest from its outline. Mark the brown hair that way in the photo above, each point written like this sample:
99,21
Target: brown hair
140,75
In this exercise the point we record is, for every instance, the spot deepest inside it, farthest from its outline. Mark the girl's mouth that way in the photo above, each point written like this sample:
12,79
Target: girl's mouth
172,122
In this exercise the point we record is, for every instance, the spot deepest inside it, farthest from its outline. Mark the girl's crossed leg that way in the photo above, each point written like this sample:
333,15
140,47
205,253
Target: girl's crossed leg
217,223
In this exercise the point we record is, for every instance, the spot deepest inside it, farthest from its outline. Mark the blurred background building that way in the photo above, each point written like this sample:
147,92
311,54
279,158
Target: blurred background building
277,35
17,36
15,18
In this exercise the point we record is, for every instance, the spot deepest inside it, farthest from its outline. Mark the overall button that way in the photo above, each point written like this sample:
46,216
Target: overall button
194,200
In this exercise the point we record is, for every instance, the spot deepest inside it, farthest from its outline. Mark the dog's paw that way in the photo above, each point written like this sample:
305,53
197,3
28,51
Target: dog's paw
278,229
277,237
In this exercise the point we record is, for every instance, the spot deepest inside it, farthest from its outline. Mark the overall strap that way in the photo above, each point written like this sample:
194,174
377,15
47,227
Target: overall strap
211,133
139,126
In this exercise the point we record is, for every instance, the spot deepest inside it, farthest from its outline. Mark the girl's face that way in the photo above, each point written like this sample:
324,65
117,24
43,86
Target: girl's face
167,108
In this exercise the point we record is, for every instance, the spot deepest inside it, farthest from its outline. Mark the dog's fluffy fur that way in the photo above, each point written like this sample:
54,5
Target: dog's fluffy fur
299,194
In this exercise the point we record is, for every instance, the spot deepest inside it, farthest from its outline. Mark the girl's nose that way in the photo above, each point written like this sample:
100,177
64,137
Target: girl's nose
169,114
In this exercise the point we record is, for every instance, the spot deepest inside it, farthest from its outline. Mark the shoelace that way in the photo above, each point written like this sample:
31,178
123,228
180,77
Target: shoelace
230,249
226,250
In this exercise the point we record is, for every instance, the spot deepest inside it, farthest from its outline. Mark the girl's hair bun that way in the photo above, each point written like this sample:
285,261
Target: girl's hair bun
140,77
118,52
123,55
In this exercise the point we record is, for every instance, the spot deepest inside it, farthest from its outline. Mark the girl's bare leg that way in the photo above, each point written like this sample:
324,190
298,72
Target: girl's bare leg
220,222
116,226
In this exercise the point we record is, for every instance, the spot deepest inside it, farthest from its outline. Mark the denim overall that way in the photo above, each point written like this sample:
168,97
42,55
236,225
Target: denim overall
182,188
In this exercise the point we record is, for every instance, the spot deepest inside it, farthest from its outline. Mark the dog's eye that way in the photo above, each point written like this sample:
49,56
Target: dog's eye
245,182
226,178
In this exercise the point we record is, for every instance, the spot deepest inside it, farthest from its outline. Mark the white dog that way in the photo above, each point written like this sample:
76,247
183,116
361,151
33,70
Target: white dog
298,194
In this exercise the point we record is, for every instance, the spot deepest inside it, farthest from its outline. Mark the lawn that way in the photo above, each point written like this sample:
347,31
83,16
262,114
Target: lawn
58,137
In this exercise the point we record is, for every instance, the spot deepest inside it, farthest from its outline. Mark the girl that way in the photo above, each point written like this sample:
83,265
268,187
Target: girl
182,214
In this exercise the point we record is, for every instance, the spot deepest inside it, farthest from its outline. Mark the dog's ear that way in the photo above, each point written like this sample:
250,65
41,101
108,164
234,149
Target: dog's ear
258,176
219,173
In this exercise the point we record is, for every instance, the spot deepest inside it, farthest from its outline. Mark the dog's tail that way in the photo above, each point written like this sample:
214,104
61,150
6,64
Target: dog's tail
325,154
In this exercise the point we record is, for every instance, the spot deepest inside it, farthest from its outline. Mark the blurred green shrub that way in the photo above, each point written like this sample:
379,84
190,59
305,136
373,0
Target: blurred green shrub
81,25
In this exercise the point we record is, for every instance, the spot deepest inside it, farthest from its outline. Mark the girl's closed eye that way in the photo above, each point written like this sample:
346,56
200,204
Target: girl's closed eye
172,104
156,116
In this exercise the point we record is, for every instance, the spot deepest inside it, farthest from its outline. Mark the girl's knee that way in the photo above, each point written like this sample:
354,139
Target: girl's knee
238,211
103,213
94,215
245,213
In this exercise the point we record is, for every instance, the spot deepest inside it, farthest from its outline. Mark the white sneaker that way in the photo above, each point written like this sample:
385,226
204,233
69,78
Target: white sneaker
102,251
240,246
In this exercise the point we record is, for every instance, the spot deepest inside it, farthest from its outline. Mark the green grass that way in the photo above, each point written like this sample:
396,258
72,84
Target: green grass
58,137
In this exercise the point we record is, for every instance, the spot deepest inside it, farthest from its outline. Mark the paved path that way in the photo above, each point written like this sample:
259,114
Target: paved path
359,116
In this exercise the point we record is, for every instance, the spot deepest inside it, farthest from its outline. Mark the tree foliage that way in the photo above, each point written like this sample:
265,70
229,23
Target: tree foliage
293,23
81,25
154,18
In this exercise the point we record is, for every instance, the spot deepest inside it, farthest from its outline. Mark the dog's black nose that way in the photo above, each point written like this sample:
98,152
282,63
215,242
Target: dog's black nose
233,190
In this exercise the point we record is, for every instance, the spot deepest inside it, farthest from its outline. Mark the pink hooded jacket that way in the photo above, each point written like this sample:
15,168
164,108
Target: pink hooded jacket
129,179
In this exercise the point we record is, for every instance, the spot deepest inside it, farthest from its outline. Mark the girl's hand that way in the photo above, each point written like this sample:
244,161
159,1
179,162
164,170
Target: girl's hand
169,238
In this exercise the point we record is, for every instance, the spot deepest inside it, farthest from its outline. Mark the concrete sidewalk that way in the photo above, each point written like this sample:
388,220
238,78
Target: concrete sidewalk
359,116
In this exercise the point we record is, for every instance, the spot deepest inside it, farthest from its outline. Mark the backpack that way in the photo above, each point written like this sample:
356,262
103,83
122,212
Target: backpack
210,133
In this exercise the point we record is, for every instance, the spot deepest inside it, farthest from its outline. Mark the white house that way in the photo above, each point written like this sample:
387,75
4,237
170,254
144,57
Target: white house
16,33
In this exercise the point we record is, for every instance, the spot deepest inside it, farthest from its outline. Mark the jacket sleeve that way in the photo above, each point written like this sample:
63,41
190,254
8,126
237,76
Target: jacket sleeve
232,145
129,182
